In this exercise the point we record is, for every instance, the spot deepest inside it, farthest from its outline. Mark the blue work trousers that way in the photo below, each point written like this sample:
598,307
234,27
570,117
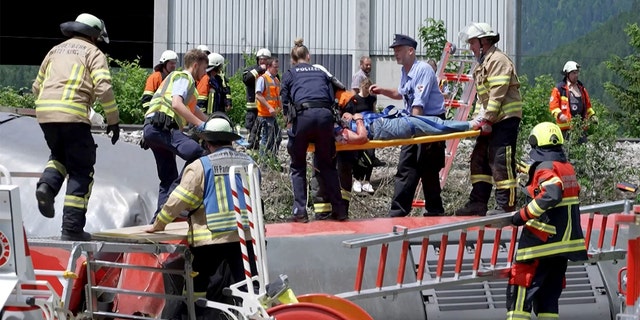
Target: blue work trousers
166,144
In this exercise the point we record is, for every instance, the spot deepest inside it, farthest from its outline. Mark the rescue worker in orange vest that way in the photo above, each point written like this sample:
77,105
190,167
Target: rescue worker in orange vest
249,77
269,105
73,76
204,191
569,99
167,64
172,107
214,94
552,233
500,105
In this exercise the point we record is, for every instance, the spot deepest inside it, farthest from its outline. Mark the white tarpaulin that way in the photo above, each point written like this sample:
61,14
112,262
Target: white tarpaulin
125,189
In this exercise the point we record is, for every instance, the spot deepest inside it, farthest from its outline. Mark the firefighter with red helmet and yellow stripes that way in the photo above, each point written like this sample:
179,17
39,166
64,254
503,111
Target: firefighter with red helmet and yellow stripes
552,234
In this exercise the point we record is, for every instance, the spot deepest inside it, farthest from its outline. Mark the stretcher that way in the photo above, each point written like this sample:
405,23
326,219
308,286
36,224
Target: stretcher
374,144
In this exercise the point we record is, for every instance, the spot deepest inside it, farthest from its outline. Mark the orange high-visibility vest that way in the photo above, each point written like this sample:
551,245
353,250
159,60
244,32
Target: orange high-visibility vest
271,93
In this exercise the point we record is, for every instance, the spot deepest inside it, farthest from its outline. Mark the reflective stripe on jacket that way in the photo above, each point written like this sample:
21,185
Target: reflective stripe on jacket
201,191
271,93
559,103
73,76
162,98
554,211
498,87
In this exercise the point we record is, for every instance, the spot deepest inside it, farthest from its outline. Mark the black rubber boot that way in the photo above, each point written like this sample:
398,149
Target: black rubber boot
75,236
46,197
473,209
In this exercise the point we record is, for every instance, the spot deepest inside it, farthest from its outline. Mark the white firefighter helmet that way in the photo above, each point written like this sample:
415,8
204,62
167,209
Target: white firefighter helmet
203,48
570,66
262,53
88,25
215,60
477,30
168,55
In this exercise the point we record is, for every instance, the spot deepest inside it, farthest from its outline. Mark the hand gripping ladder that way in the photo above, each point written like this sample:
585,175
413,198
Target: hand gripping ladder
455,74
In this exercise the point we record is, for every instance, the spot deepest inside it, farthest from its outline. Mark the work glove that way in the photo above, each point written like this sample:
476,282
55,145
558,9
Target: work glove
594,119
485,128
517,218
114,129
562,118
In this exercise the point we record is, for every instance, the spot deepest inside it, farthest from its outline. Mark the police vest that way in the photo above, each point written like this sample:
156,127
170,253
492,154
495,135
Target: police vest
310,84
561,223
162,98
217,199
271,93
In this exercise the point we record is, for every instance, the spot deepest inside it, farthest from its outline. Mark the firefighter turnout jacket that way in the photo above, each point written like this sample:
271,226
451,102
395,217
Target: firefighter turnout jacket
73,76
559,103
205,191
497,84
153,83
214,94
249,77
552,217
162,98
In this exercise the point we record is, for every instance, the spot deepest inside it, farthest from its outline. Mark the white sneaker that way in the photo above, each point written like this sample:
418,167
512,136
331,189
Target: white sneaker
367,187
357,186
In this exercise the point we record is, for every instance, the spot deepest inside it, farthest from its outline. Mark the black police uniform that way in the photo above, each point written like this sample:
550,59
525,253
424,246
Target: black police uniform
308,97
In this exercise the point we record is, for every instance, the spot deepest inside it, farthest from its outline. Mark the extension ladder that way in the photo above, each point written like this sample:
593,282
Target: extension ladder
455,71
493,235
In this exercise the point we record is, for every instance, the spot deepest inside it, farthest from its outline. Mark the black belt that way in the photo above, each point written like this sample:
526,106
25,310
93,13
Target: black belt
315,104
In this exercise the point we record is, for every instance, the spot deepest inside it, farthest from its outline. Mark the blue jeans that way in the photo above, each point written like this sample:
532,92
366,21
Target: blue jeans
269,135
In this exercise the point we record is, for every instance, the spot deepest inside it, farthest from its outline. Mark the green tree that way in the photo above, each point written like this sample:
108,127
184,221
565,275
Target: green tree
433,35
627,92
128,81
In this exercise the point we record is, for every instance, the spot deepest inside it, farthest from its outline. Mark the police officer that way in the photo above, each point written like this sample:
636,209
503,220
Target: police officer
421,94
551,234
307,98
249,77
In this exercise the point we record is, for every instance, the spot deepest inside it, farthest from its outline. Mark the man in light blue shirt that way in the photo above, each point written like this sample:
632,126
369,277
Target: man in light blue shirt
422,97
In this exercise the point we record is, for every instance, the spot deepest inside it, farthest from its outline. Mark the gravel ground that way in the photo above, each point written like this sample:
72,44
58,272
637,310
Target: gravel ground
277,193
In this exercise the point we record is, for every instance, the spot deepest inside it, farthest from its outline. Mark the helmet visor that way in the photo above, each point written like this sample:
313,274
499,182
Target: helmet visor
104,36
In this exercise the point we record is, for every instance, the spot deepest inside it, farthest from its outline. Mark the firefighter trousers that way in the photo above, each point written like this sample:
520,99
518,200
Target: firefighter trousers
73,154
542,294
321,204
493,160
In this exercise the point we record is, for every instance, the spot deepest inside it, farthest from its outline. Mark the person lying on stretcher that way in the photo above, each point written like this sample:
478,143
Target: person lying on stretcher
393,123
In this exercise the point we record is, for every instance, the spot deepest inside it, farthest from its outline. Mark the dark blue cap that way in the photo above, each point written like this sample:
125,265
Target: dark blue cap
402,40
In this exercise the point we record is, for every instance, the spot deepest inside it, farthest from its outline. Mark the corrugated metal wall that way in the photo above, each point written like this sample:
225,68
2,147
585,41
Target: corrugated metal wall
407,16
337,32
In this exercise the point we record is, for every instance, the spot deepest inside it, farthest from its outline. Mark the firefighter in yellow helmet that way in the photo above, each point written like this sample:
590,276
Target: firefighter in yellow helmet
500,111
73,76
552,234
